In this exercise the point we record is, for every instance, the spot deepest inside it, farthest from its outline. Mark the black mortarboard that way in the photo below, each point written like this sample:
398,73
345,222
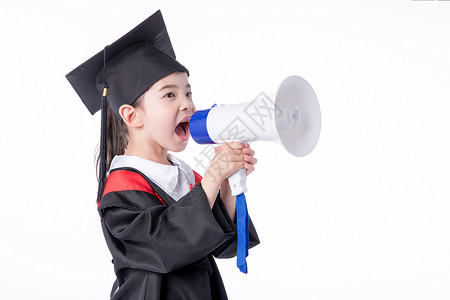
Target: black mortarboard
133,64
122,72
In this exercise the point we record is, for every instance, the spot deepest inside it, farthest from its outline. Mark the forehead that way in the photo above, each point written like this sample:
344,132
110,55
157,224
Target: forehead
174,80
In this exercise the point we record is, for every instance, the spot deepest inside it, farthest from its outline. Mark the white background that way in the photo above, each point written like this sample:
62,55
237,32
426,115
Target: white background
364,216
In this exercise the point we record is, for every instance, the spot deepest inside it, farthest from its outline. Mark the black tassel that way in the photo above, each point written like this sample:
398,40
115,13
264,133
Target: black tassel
103,135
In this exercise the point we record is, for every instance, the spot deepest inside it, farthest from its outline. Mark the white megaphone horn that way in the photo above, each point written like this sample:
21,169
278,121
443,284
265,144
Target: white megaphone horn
291,116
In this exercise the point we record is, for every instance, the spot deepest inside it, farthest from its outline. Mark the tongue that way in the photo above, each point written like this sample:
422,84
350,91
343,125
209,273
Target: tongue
179,130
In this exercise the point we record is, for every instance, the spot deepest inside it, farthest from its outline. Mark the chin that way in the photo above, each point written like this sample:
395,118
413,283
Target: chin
179,147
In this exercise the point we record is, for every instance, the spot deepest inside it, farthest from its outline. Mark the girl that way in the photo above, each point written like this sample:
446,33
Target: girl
162,222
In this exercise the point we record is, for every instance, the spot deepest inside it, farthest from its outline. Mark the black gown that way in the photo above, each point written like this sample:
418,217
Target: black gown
162,248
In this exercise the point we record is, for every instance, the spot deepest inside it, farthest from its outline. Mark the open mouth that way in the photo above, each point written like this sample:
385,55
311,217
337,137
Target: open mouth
182,129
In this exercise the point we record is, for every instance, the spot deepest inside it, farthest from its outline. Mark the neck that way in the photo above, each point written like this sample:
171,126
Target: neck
151,152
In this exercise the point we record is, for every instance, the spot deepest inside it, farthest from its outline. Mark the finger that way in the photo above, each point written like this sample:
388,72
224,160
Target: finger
236,145
232,152
249,168
236,166
248,151
226,150
250,159
236,158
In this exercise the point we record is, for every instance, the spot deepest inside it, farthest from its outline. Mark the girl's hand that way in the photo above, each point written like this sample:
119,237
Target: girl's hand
228,199
249,160
231,157
227,160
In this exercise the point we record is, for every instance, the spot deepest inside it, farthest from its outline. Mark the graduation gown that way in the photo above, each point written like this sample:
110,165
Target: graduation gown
162,248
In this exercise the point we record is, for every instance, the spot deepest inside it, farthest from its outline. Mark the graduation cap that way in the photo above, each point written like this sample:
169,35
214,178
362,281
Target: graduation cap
122,72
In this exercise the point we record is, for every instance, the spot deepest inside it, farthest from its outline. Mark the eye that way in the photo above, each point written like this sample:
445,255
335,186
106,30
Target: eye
169,95
189,94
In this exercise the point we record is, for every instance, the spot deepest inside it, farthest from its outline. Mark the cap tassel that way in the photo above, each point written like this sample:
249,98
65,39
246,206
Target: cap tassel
103,135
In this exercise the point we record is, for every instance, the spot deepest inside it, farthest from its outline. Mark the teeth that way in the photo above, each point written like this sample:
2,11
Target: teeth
186,121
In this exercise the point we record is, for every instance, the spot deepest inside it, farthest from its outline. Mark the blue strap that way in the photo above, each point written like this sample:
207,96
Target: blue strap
242,232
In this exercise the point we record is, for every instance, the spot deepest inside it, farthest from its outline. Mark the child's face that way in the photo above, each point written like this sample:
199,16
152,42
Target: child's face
164,108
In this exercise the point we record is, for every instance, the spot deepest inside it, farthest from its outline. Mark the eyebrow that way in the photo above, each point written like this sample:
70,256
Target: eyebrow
173,86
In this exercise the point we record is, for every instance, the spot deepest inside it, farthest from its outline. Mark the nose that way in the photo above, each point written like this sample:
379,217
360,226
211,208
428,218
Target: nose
187,104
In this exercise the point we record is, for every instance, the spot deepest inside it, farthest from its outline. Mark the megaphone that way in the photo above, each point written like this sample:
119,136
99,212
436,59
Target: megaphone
290,116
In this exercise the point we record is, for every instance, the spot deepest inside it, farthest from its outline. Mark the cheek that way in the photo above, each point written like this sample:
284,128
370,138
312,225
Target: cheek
161,118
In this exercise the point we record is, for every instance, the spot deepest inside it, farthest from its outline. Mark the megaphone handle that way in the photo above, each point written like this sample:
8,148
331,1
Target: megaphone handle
238,182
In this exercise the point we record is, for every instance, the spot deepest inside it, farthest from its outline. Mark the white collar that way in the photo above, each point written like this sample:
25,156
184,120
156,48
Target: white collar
169,178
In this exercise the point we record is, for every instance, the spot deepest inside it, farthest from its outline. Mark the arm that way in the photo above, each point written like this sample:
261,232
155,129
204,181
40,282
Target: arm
229,158
228,249
161,238
229,201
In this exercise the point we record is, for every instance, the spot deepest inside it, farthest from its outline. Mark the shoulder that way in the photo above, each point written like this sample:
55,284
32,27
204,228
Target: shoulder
128,188
126,180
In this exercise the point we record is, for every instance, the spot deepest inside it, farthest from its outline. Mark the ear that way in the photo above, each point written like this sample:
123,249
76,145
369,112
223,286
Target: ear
129,116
